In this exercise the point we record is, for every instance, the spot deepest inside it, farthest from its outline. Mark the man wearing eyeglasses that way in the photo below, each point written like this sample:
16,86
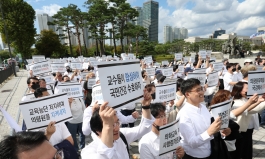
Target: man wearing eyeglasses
28,145
195,125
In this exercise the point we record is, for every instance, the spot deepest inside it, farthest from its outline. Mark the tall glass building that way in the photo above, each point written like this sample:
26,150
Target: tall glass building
150,19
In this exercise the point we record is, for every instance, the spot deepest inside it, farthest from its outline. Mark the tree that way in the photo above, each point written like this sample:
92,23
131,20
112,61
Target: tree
19,19
48,43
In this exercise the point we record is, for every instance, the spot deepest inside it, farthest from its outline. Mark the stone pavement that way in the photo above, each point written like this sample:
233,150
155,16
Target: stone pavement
13,90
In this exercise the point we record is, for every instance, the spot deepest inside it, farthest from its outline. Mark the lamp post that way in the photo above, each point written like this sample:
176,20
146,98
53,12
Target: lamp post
6,35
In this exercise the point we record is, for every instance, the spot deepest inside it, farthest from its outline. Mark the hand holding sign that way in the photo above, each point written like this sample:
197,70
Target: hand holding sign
107,114
180,152
214,127
147,98
225,132
50,129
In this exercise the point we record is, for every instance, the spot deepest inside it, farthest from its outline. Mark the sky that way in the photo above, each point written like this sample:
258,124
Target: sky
200,17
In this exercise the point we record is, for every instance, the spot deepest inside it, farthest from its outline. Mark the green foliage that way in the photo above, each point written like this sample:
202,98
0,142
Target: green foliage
5,54
48,44
19,19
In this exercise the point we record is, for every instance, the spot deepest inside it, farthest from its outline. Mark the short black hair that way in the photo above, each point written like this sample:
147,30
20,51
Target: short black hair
64,77
156,108
11,146
38,92
178,83
42,79
259,61
31,78
96,123
188,84
229,65
236,92
143,71
175,67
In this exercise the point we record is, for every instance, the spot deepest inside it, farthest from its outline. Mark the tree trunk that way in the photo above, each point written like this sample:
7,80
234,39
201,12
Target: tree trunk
121,38
128,44
84,41
113,36
69,38
136,39
97,47
79,41
101,45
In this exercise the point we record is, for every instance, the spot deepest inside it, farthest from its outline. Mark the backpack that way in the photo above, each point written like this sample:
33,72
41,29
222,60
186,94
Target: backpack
68,149
126,143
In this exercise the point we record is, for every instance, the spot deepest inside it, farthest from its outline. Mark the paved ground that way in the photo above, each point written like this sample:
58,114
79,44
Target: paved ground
14,88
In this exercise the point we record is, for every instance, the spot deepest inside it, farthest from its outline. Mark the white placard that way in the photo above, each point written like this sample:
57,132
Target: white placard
39,68
31,96
186,59
93,63
29,61
27,67
91,82
165,63
38,58
192,59
178,56
166,92
200,70
218,66
83,75
48,79
256,82
209,53
122,86
38,113
76,65
203,54
97,95
58,67
259,68
200,76
12,123
170,80
166,71
169,136
85,65
148,60
213,79
73,89
150,71
222,110
181,68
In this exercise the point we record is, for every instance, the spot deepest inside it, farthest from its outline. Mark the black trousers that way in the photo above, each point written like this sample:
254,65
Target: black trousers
247,144
190,157
221,84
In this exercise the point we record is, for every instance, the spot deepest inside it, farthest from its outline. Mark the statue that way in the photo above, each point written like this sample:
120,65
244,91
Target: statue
230,47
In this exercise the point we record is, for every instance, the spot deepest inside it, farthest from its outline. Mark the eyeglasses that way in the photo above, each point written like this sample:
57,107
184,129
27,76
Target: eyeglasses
116,124
34,82
198,90
59,155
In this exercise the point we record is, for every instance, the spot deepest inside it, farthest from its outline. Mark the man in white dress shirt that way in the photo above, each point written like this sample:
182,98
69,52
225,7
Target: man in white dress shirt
149,143
195,125
112,141
228,77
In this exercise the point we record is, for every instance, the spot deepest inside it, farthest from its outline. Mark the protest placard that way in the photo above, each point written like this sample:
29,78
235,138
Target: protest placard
48,79
165,63
186,59
259,68
213,79
29,61
39,68
256,83
58,67
169,137
209,53
85,65
93,63
218,66
192,59
181,68
203,54
200,70
38,58
166,71
122,86
150,71
200,76
166,92
170,81
97,95
38,113
73,89
12,123
83,75
148,60
76,65
31,96
91,82
178,56
222,110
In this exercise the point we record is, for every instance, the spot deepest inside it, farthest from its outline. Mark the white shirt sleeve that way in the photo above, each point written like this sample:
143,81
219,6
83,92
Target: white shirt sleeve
65,131
125,119
145,152
86,121
187,131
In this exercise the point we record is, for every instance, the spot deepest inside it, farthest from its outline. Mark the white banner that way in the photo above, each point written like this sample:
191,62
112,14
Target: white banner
40,68
178,56
122,86
73,89
181,69
97,95
150,71
209,53
12,123
58,67
85,65
91,82
148,60
213,79
200,70
48,79
259,68
93,63
200,76
203,54
166,71
218,66
186,59
169,136
165,63
38,113
166,92
222,110
76,65
38,58
256,82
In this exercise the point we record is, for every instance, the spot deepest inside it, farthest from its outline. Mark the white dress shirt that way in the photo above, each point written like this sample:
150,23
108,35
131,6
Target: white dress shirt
98,150
237,76
228,77
193,124
88,114
149,147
